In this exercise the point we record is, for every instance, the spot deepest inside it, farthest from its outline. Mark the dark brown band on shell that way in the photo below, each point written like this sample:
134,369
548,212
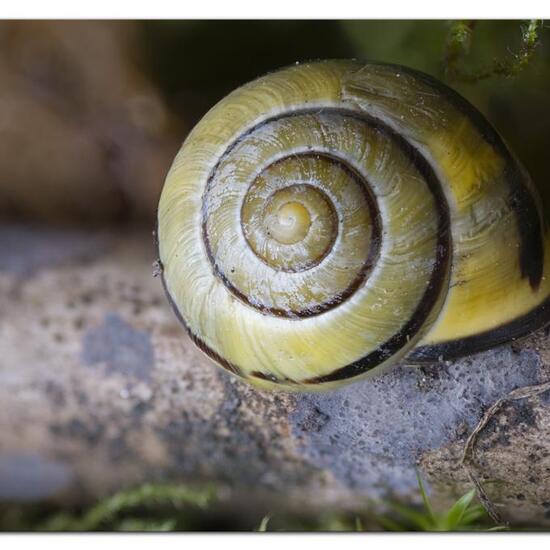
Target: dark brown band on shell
438,280
520,199
272,378
196,340
263,376
369,263
531,321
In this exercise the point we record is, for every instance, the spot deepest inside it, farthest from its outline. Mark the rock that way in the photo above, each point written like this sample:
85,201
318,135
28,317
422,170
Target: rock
100,389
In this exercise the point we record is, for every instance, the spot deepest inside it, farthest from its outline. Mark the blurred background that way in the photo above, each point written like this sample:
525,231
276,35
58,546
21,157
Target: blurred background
99,388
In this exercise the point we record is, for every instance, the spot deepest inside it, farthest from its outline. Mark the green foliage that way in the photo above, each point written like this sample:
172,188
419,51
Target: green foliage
111,511
463,515
263,524
459,43
163,507
149,507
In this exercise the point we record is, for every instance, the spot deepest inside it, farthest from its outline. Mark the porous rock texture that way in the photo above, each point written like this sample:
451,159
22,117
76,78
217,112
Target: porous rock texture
100,389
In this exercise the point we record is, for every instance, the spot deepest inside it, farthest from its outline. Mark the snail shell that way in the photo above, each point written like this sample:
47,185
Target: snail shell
325,220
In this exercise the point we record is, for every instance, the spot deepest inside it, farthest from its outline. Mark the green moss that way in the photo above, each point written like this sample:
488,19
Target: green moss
458,46
162,507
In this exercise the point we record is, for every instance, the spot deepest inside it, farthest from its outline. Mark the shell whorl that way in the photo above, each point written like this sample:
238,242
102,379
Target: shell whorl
323,221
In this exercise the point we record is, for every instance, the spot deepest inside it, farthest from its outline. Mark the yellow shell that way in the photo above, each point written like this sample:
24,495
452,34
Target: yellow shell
324,221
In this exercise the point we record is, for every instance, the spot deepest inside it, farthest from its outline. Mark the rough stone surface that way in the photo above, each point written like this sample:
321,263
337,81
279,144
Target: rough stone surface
373,432
512,460
101,389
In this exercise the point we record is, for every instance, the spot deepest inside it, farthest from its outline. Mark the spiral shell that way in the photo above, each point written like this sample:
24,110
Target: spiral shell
325,220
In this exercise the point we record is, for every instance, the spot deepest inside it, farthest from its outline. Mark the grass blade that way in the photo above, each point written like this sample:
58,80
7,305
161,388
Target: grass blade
262,528
425,499
454,517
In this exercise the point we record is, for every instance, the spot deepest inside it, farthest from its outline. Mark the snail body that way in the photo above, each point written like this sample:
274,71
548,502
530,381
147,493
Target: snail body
326,220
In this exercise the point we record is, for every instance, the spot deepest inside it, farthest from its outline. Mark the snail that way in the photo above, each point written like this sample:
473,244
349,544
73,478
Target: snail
331,218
